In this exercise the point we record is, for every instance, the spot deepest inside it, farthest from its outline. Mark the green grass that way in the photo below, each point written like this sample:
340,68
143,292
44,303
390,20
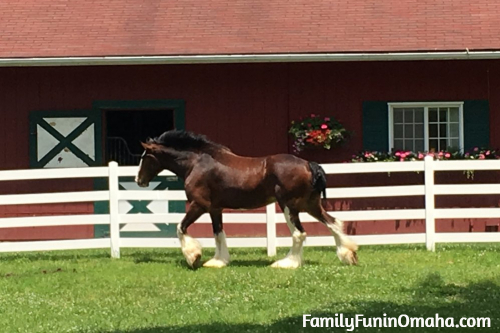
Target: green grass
154,291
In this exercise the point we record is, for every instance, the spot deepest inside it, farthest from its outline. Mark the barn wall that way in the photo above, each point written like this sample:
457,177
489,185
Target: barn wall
245,106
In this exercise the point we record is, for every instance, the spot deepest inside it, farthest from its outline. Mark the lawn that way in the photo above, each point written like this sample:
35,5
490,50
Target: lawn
154,291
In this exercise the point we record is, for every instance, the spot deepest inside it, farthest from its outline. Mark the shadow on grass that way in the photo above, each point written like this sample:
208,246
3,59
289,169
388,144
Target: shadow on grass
179,261
251,263
427,298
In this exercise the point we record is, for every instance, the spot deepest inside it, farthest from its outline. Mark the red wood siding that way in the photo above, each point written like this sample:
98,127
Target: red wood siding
245,106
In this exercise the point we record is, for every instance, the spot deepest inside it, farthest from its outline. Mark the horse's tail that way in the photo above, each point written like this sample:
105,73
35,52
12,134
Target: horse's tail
318,178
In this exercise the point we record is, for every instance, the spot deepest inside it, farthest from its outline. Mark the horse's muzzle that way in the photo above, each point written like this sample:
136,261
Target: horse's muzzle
141,183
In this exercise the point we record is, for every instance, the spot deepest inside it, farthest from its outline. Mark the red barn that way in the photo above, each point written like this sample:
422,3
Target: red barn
83,81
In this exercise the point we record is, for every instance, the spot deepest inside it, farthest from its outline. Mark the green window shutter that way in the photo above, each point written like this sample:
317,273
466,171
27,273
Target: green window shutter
375,126
476,124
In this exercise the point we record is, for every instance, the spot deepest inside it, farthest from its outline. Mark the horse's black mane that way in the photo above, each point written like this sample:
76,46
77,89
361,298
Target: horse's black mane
184,140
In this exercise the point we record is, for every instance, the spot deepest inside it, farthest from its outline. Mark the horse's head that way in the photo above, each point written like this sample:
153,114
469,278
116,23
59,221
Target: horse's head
150,166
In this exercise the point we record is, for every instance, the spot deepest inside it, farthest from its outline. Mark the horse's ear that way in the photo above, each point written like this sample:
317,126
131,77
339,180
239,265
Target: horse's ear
145,145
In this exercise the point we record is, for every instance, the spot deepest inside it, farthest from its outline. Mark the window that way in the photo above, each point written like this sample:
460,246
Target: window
426,126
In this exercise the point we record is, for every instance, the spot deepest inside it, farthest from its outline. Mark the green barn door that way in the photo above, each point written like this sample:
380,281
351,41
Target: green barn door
143,207
158,183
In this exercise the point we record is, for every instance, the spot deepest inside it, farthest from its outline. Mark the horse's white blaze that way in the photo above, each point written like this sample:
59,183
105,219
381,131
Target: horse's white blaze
294,258
221,257
137,177
191,248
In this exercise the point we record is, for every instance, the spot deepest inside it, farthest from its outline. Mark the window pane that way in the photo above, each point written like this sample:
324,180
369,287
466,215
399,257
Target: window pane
419,131
454,130
433,130
409,131
398,131
408,116
408,144
433,145
398,116
443,115
398,145
419,116
433,116
454,115
419,145
443,144
454,144
443,131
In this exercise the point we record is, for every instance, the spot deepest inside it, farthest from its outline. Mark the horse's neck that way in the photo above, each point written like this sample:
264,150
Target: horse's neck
180,163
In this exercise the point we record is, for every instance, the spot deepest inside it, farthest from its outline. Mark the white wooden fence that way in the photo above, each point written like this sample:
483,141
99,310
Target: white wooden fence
114,218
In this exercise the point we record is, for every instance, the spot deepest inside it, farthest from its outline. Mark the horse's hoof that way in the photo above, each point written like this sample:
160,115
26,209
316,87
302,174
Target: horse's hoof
354,258
287,263
215,263
195,261
347,256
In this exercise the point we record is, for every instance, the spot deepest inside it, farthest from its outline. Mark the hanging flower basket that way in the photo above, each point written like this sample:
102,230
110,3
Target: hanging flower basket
317,132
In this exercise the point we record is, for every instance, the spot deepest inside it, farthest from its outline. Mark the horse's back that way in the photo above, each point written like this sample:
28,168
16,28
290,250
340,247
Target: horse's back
289,170
286,163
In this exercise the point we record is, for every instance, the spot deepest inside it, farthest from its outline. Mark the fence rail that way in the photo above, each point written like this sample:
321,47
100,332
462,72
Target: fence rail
429,190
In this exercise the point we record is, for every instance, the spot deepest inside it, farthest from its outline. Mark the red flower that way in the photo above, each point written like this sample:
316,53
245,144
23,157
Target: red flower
324,126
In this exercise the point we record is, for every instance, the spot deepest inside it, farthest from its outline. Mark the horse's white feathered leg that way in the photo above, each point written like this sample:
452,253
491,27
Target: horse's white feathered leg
294,257
221,258
346,248
191,248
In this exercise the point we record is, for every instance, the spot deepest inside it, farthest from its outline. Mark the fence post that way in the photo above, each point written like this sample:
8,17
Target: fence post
271,229
114,223
430,221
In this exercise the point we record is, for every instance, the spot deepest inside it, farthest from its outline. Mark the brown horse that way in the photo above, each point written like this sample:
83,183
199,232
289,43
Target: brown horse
215,178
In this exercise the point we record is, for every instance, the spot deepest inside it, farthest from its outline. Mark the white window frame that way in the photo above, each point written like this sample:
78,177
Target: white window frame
426,106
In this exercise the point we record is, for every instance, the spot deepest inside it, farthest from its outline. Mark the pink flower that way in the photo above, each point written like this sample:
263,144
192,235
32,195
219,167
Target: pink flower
313,115
447,155
488,152
481,156
476,149
324,126
420,156
327,118
398,154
